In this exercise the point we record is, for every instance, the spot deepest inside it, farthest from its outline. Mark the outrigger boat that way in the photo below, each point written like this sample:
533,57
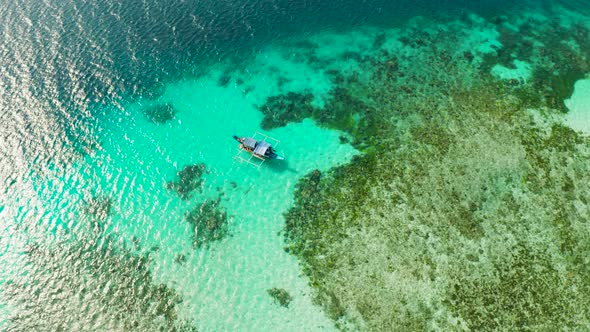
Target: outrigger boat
256,150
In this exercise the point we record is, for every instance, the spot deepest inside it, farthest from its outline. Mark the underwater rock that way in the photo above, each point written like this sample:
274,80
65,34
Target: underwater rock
499,19
332,72
189,180
180,259
247,90
136,243
223,80
405,40
315,177
160,113
280,296
310,187
209,222
281,81
291,107
305,44
415,41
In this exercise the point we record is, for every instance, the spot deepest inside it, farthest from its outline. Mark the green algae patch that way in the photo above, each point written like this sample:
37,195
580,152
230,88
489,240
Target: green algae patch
280,296
342,111
465,211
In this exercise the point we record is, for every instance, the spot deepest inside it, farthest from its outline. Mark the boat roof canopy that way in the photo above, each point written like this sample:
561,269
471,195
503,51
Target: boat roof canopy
249,142
261,148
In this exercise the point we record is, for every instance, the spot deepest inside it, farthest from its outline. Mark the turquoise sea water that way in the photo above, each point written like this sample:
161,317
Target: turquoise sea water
86,163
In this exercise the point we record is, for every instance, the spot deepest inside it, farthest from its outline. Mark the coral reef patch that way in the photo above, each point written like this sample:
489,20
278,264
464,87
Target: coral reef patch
109,288
280,296
555,49
208,222
190,178
343,110
160,113
291,107
466,210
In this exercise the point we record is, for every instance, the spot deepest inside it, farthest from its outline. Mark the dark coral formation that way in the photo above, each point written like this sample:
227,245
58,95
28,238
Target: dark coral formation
160,113
208,222
340,110
343,110
306,208
558,65
280,296
190,178
291,107
180,259
109,288
465,211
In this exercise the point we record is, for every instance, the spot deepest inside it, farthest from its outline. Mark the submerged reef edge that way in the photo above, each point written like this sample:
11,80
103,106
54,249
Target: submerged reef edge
466,211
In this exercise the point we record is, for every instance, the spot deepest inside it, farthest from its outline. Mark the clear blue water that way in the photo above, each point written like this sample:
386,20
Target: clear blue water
84,170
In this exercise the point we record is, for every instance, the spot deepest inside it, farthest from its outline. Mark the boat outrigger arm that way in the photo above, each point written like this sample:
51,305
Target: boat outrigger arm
257,147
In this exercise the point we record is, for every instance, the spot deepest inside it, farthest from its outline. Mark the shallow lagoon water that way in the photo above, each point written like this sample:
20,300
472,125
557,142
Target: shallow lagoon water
135,158
578,116
239,269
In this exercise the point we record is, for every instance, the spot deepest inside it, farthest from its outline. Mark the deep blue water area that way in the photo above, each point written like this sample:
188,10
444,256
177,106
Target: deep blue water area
134,45
59,58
